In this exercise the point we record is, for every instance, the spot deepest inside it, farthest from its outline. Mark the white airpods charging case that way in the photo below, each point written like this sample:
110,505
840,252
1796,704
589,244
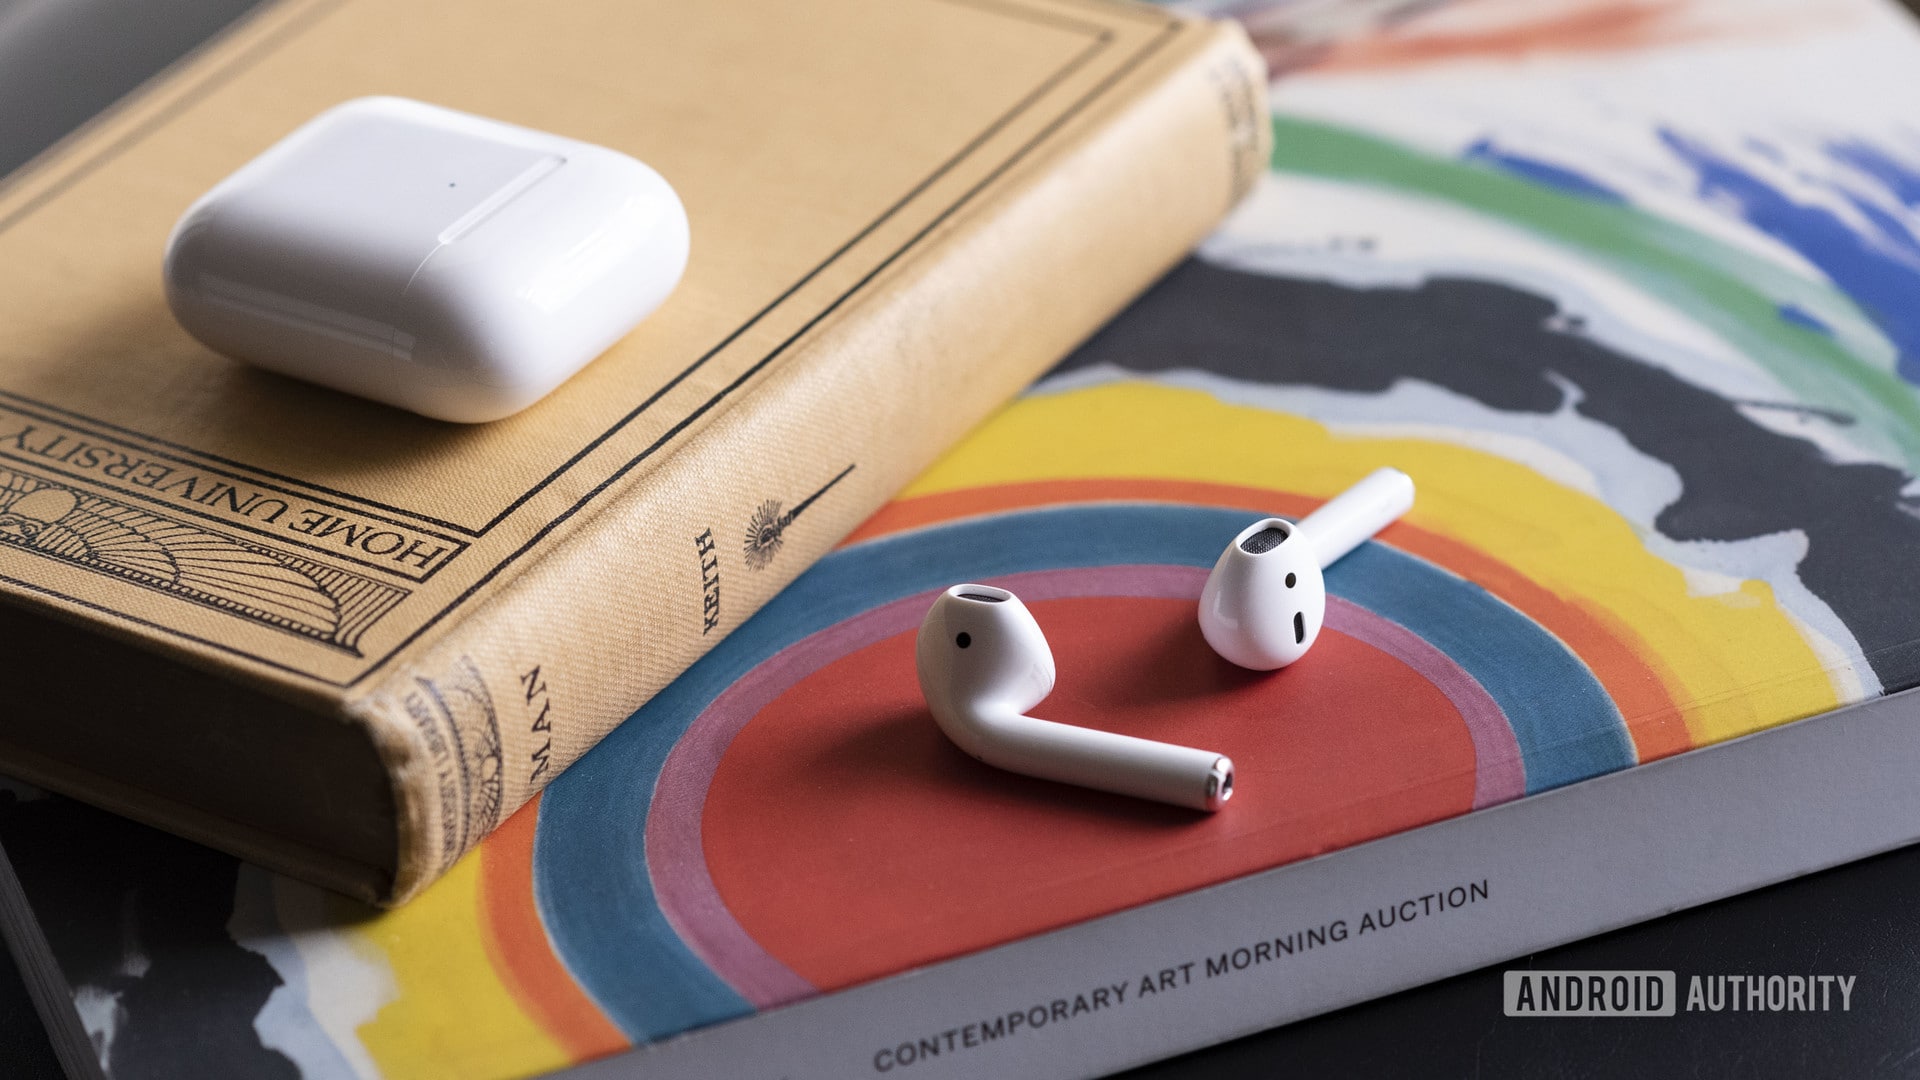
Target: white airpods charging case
448,264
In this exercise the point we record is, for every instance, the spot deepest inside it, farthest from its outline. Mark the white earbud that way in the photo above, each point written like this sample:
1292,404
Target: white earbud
983,663
1265,600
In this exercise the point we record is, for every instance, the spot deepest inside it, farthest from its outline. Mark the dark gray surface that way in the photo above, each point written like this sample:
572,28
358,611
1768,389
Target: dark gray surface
1856,920
62,61
25,1053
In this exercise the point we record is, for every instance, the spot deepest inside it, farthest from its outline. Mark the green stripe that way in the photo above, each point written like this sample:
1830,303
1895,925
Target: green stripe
1735,294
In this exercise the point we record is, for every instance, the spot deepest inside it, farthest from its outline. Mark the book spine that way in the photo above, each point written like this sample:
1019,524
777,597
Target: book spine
479,721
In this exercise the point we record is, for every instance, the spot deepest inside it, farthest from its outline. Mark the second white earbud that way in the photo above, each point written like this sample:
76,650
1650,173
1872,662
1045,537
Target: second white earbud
1265,600
983,662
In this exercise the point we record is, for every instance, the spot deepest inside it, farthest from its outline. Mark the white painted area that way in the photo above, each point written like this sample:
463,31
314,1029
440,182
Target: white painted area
1851,682
330,983
1807,70
101,1014
1361,237
1309,229
1412,238
1819,430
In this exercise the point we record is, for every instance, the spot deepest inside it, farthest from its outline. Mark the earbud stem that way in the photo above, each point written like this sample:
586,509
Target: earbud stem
1356,514
1104,761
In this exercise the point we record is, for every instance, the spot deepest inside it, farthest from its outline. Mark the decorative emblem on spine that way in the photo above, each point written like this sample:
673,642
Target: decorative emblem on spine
461,728
768,526
189,561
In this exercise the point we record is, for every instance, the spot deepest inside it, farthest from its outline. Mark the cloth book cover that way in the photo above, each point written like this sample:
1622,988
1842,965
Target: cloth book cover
294,624
1625,287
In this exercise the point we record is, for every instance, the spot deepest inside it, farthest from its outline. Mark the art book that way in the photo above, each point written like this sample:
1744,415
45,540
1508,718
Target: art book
1626,288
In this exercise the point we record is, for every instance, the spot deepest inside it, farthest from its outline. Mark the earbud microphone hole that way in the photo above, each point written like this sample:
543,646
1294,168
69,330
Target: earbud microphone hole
965,639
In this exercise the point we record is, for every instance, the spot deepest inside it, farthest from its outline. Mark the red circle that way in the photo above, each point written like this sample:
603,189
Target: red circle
852,841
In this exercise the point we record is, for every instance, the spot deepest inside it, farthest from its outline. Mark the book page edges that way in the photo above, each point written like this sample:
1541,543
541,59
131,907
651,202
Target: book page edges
268,849
476,723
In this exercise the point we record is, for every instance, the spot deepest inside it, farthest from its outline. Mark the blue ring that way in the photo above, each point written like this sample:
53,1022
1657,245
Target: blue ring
589,872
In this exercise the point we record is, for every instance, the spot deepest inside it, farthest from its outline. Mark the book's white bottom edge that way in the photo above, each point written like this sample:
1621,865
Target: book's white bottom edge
1545,870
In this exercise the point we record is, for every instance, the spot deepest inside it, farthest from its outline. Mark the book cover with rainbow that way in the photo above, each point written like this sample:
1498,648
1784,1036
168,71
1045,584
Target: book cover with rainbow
1627,286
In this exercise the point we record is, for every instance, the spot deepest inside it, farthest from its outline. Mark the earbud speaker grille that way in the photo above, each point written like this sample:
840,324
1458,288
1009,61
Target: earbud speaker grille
1263,541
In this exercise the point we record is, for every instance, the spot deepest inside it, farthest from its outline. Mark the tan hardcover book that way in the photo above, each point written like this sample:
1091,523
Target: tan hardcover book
344,641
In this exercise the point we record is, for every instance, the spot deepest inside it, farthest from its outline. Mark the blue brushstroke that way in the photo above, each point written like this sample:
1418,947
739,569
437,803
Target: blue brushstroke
1880,272
1801,317
598,904
1766,150
1892,231
1541,172
1901,180
591,881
